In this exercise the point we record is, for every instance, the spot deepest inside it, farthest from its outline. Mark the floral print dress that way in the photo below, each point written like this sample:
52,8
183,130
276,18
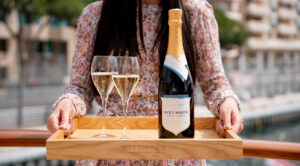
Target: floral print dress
209,70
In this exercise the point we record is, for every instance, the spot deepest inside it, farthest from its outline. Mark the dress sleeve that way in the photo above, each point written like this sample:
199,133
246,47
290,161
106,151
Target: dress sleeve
209,68
80,89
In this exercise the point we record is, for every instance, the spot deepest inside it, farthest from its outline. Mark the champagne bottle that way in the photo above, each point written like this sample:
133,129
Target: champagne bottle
176,103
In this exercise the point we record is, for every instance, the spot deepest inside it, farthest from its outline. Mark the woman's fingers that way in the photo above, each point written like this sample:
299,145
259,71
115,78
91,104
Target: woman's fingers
53,122
61,116
219,128
65,122
225,121
225,116
241,128
65,118
70,128
232,119
230,116
236,122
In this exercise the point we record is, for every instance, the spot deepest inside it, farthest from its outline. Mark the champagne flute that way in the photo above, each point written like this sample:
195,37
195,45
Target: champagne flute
126,81
102,69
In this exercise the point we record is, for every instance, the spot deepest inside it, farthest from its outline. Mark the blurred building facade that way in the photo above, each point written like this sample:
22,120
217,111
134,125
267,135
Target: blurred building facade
270,64
49,60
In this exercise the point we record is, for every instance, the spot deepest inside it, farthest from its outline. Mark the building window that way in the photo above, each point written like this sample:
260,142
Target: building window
45,47
2,73
63,46
251,62
279,62
58,23
3,45
298,23
49,47
265,62
40,47
273,4
273,19
23,19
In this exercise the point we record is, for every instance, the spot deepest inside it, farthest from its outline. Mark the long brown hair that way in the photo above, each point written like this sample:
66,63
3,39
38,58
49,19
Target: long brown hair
117,30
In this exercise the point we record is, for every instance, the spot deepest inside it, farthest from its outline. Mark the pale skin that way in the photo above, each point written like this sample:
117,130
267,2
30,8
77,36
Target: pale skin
61,117
230,118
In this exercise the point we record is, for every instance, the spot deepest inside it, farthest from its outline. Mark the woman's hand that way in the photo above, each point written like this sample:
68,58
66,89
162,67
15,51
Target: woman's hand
61,117
230,118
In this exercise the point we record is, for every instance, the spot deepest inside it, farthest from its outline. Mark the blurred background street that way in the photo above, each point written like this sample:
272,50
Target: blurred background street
260,42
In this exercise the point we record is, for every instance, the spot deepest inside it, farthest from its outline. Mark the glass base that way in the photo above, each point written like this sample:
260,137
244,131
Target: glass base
103,136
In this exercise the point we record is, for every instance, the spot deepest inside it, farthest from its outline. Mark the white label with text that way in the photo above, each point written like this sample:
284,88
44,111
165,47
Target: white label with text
175,114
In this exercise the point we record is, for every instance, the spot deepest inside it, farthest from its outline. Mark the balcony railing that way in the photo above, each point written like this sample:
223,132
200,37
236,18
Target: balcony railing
258,26
288,2
237,16
273,44
48,33
287,14
298,22
287,29
251,148
258,10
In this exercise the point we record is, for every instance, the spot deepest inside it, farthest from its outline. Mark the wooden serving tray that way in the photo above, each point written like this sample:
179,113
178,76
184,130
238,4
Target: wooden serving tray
143,142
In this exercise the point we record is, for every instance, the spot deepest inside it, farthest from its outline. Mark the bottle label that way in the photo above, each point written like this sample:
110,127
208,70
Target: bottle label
177,65
176,113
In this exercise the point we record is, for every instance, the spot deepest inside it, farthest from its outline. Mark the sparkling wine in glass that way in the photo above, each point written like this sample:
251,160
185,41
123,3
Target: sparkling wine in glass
126,82
102,70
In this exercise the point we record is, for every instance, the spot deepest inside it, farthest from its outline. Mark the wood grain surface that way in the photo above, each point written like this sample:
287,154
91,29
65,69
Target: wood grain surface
251,148
143,142
144,149
271,149
36,138
136,122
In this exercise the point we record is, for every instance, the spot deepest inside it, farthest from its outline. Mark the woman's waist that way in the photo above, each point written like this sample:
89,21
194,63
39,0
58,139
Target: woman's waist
138,105
136,96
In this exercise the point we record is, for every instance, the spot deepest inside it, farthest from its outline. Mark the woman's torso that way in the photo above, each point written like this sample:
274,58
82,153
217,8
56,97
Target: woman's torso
144,99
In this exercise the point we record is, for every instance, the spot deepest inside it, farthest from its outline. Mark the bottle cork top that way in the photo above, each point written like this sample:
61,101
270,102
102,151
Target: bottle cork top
175,16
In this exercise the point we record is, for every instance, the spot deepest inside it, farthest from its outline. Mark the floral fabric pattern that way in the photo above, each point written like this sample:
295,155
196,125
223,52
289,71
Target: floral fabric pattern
144,102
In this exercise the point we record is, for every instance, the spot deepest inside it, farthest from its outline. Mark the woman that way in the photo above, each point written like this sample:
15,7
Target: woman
139,28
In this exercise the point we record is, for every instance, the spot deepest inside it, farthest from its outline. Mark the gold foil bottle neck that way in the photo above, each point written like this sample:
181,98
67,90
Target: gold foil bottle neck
175,45
175,17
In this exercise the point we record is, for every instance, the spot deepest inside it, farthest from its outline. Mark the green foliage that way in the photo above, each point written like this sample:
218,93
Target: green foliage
67,10
231,32
4,9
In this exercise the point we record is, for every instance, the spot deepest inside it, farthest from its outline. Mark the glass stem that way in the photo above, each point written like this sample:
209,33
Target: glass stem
125,117
104,116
